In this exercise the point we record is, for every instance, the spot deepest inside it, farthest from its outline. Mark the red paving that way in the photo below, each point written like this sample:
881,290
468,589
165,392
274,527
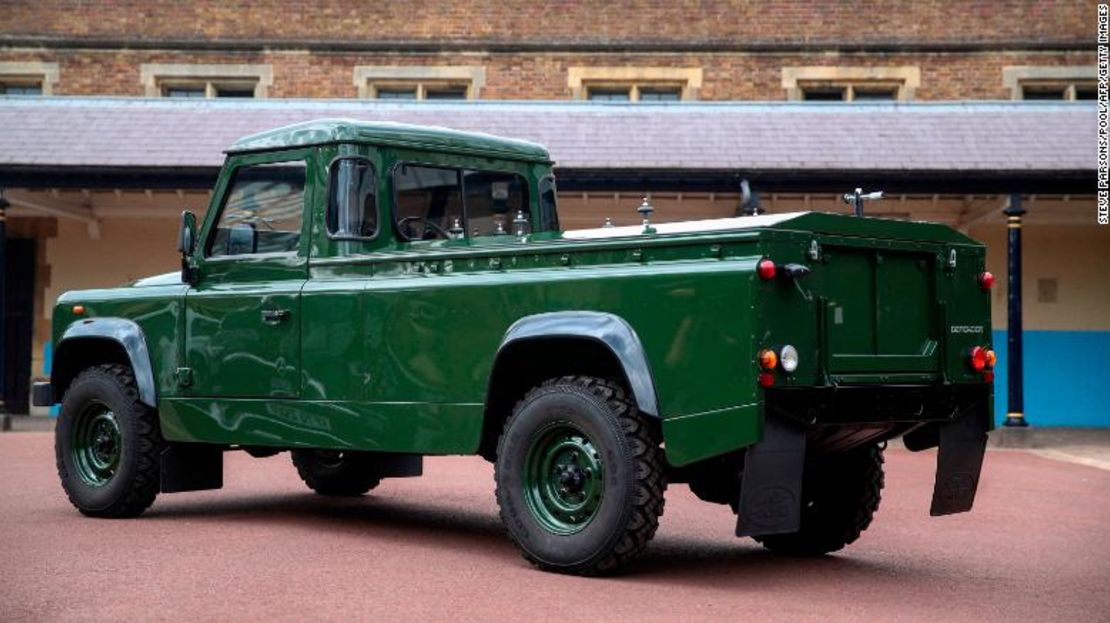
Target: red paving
1036,547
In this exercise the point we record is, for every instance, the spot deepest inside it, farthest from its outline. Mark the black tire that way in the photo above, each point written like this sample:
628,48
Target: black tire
840,494
336,473
626,449
127,484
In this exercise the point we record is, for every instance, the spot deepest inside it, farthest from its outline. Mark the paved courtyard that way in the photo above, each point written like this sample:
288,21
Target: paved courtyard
1036,547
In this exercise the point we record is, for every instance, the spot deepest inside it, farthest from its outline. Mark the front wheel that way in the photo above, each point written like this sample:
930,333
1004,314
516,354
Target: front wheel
579,476
108,444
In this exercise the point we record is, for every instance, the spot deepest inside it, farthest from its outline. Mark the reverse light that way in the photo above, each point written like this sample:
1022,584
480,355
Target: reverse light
986,280
768,359
766,269
788,358
978,358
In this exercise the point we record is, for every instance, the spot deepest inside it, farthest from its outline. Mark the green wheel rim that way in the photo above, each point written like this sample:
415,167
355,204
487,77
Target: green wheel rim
97,444
564,479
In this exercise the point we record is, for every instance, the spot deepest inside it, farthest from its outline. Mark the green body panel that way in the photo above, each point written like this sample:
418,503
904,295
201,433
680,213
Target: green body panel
390,345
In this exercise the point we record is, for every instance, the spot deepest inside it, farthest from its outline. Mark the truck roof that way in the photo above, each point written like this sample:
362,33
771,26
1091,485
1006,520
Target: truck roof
432,138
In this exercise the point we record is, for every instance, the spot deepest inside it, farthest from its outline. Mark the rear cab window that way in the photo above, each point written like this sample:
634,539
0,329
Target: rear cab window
444,203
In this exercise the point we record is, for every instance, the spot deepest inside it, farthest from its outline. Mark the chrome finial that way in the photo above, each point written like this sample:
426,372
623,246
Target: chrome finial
520,224
646,210
456,229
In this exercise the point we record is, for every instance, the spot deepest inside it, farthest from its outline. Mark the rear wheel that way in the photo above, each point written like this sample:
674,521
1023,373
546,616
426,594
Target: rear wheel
579,477
336,473
840,494
108,444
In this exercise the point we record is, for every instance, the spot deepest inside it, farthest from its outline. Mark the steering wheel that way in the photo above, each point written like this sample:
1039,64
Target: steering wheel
403,228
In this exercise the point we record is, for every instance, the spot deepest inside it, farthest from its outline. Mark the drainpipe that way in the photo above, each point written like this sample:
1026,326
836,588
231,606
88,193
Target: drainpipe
1015,410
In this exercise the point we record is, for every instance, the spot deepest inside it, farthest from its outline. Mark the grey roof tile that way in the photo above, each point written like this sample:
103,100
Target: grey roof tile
1014,136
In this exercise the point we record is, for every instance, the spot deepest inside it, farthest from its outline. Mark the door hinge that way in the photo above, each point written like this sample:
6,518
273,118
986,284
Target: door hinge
185,377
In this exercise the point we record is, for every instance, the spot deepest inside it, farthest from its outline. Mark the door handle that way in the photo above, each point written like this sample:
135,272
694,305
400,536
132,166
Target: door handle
274,316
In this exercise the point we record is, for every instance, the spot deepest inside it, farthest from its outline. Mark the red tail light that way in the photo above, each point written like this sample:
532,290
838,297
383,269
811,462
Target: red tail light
986,280
766,269
766,379
978,358
988,377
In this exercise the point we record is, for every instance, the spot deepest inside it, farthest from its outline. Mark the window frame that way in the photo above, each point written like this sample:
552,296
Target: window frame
633,88
460,174
1069,88
850,88
377,201
421,87
212,224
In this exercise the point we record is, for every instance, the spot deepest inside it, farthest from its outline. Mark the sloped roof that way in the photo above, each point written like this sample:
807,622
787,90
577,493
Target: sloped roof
972,136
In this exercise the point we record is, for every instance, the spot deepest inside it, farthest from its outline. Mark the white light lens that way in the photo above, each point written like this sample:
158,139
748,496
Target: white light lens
788,358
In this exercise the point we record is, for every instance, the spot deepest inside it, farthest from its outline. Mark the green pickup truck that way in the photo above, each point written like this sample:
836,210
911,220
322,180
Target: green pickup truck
366,294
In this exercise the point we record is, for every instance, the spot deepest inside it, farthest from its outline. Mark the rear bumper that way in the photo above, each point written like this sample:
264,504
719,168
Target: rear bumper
877,404
42,394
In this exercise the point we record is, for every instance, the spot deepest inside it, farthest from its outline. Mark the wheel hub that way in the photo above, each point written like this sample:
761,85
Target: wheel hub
97,444
563,480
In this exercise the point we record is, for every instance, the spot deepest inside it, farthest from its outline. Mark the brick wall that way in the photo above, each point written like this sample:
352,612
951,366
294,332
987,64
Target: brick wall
571,20
726,76
101,44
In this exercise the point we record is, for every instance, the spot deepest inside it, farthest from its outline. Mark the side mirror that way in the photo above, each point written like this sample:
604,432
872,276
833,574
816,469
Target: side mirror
186,243
187,237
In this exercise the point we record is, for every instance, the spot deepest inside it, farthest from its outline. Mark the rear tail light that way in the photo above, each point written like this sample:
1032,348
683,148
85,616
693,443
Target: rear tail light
766,269
988,377
991,358
768,359
977,358
766,379
986,280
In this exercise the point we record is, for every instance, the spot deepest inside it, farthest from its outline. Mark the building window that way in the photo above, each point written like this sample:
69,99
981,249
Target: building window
9,86
28,79
201,81
1068,83
387,82
850,84
1070,91
634,84
848,91
633,93
208,88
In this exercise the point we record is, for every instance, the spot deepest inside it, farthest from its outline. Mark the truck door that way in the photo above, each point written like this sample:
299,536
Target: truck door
242,319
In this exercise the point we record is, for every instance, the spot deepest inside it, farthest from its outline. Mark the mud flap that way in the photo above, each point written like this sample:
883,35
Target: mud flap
959,461
771,488
191,467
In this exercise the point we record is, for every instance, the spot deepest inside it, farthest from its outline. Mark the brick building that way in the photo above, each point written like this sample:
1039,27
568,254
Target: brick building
711,59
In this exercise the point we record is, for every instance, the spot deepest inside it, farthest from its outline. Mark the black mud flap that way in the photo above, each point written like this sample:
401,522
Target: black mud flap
394,465
959,461
771,488
192,467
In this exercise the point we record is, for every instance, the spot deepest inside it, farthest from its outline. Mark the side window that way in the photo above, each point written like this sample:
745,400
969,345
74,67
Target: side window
429,202
549,215
493,200
262,212
352,199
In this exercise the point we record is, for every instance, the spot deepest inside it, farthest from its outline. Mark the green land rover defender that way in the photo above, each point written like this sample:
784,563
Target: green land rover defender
365,294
